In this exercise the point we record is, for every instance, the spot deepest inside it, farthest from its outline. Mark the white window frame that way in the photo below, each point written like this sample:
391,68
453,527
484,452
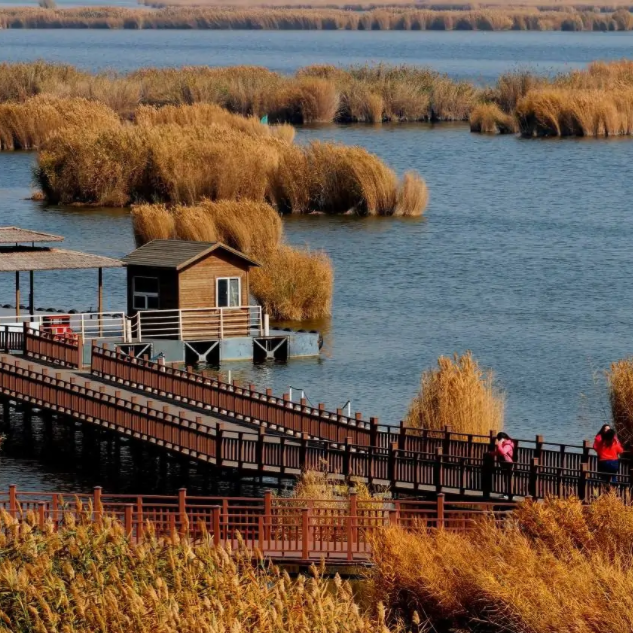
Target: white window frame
144,295
217,291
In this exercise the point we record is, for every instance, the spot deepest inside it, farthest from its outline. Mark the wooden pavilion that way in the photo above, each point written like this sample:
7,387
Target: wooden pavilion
19,253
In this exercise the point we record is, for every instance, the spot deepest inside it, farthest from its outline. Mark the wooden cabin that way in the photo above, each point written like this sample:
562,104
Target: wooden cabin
189,290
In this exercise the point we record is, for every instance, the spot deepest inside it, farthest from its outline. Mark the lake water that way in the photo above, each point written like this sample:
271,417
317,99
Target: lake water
523,257
480,56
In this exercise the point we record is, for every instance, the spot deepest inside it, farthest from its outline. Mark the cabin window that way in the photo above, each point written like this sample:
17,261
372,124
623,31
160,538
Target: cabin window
228,292
145,291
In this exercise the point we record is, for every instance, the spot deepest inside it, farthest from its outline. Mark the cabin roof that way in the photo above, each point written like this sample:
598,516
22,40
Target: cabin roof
178,254
16,235
21,258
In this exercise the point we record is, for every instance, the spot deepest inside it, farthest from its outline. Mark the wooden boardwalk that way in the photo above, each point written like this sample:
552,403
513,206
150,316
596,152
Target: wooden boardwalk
234,426
288,531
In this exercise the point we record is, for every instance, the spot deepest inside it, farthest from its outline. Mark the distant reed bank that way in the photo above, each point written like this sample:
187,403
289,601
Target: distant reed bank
564,18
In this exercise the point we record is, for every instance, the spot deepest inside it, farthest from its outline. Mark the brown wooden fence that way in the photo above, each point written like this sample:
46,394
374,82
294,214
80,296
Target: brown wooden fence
282,529
243,403
265,410
261,453
53,348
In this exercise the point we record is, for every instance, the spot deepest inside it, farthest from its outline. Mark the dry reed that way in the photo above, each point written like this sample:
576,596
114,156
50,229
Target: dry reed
184,154
324,18
89,577
458,394
294,284
488,118
620,380
369,94
25,126
558,566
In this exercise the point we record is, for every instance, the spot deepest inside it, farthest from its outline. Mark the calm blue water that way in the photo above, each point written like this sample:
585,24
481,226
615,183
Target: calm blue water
523,256
481,56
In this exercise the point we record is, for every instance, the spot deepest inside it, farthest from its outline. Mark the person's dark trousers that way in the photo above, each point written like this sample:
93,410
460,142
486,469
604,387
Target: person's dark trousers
608,468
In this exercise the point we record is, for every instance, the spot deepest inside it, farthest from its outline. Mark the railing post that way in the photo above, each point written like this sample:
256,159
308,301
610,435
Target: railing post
41,514
582,482
446,442
268,511
391,463
216,525
97,509
440,510
305,533
487,474
586,447
182,511
353,515
129,509
538,447
219,441
13,504
139,334
532,484
373,431
260,447
439,469
303,449
401,436
347,457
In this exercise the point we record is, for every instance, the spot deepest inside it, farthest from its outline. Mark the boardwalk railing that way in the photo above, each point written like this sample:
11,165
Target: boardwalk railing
282,529
246,404
57,349
243,403
276,455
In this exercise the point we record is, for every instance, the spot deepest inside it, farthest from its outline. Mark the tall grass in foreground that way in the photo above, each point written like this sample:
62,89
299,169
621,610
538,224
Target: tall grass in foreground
460,394
560,567
90,578
291,284
184,154
620,380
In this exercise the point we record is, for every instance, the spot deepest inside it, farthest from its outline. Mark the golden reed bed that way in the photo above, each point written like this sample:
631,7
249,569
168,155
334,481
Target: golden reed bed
392,18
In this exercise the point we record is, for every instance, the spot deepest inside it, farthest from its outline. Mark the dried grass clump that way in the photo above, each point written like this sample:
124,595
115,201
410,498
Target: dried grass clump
294,284
26,125
331,178
307,100
87,577
564,112
620,380
318,17
458,394
557,567
488,118
182,155
251,227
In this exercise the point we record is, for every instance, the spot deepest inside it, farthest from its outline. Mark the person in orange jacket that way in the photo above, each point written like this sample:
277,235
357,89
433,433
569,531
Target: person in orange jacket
608,447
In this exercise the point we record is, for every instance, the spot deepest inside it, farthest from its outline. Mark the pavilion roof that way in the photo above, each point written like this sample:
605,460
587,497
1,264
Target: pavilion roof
16,235
21,258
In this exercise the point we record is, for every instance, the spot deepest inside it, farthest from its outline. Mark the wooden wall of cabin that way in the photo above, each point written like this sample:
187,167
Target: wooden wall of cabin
197,283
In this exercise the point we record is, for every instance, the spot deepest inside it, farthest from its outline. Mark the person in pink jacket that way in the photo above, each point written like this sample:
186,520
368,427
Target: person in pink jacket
504,448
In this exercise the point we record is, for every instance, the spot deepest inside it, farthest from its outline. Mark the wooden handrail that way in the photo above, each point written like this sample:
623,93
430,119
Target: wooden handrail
46,346
262,452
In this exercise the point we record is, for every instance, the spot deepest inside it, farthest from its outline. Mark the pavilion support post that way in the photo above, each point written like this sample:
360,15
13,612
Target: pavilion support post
100,301
17,293
31,294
